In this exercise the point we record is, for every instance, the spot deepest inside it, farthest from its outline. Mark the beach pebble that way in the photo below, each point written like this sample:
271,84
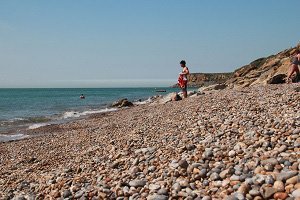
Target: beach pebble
157,197
296,193
137,183
183,164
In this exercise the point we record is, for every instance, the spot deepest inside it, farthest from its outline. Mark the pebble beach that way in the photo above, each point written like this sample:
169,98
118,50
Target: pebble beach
226,144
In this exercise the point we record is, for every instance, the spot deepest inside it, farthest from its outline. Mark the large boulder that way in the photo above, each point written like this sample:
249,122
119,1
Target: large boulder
277,79
122,103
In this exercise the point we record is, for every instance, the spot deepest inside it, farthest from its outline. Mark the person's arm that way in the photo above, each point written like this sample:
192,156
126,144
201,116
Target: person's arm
185,71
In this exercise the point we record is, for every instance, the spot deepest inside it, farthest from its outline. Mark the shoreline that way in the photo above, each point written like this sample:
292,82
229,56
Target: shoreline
28,130
21,126
215,146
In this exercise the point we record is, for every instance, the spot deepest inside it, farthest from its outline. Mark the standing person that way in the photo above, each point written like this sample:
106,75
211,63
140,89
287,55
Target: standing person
182,80
295,61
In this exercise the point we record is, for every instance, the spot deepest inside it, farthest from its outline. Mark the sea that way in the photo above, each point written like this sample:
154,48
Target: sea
23,109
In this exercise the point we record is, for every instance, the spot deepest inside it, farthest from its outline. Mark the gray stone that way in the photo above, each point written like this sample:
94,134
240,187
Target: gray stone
206,198
239,196
235,178
269,180
154,187
78,194
254,192
174,164
283,176
162,191
190,147
137,183
231,153
157,197
296,193
270,161
208,153
214,176
67,193
176,187
20,197
267,192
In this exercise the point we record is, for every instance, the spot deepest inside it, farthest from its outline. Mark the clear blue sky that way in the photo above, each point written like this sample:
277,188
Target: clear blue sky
67,43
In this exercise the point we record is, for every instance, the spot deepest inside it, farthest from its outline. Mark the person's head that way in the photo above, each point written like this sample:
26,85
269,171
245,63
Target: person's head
182,63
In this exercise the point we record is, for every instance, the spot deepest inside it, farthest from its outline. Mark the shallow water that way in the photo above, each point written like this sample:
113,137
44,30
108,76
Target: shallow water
32,108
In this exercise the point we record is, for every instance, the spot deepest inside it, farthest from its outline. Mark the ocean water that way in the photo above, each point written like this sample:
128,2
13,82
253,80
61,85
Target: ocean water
22,109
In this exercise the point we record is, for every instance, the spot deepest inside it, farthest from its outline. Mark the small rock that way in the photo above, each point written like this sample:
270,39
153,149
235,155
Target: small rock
208,153
20,198
279,186
235,178
270,161
176,187
190,147
231,153
268,192
134,170
296,193
283,176
67,193
162,191
214,176
154,187
254,192
183,163
292,180
280,195
206,198
269,180
239,196
157,197
78,194
137,183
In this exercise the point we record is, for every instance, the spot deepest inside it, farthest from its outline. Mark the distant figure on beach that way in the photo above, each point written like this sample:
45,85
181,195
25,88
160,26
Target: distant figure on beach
182,80
82,96
295,62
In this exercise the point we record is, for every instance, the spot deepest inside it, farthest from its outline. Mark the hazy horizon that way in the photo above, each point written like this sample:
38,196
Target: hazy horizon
136,43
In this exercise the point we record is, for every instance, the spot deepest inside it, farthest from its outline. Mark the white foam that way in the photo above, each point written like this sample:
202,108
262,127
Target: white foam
143,102
71,115
6,138
89,112
35,126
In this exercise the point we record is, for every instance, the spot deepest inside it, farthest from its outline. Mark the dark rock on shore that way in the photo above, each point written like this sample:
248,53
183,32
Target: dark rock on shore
122,103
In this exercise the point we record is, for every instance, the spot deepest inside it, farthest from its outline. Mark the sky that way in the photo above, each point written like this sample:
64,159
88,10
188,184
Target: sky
132,43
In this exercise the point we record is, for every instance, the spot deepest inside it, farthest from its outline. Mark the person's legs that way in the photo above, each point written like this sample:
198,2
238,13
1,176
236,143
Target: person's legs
184,91
297,74
294,68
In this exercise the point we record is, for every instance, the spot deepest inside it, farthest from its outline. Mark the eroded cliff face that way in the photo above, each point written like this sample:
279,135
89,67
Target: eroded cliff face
206,79
269,70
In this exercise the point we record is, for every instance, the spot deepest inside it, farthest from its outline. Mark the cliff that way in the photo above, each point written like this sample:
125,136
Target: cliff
268,70
206,79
